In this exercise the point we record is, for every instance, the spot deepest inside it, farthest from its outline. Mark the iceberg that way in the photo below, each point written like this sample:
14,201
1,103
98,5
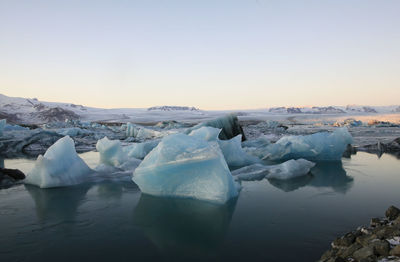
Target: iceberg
287,170
234,154
3,123
110,152
59,166
140,150
229,124
141,133
188,167
321,146
72,131
206,133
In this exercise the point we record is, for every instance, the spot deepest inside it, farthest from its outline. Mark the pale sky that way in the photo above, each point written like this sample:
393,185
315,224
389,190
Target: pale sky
208,54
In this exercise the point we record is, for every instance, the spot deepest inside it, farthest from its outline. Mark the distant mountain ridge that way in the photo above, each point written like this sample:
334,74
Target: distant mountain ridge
32,111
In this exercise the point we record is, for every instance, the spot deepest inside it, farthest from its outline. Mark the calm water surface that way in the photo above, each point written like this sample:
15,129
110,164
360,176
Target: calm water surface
270,221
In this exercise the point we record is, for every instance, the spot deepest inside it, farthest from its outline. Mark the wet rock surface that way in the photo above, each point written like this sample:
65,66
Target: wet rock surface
9,177
380,241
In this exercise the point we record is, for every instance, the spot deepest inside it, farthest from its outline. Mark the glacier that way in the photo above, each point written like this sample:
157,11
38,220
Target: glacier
287,170
321,146
188,167
59,166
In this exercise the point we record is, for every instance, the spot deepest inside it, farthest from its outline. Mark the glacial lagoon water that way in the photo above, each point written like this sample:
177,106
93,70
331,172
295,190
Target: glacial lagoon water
270,220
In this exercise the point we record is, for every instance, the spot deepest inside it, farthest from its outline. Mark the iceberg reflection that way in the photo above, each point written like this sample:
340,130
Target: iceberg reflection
183,226
324,174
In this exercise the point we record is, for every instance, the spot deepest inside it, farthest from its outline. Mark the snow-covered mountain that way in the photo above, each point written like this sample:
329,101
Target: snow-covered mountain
32,111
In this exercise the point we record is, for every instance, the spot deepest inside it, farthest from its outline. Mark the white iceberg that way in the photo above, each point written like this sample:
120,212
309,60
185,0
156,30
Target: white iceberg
206,133
141,133
321,146
60,166
188,167
234,154
140,150
111,152
287,170
229,124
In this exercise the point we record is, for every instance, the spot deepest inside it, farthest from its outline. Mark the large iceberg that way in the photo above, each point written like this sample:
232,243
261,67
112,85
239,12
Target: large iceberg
140,150
188,167
206,133
321,146
60,166
229,124
287,170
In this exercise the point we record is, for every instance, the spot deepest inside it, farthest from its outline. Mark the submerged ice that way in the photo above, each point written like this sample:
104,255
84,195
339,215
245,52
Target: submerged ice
59,166
186,166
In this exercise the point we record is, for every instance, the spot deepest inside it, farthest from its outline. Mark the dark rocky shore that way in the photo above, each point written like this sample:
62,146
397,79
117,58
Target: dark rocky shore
380,241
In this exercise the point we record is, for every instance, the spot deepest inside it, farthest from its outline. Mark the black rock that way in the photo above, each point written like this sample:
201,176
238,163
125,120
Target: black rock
13,173
392,213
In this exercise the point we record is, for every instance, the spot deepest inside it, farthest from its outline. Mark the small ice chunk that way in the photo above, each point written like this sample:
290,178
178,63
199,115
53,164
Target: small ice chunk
141,133
287,170
60,166
290,169
206,133
234,154
315,147
72,131
185,166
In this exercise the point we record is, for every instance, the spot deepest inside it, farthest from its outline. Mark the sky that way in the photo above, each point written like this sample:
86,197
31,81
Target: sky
207,54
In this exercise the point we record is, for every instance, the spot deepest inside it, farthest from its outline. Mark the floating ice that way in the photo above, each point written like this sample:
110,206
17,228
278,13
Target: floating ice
319,146
234,154
141,133
60,166
256,147
185,166
206,133
229,124
290,169
3,123
140,150
287,170
72,131
111,152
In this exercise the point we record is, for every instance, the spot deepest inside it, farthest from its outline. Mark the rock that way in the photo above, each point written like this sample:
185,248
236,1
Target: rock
392,213
344,241
348,252
13,173
387,231
395,251
364,240
380,247
375,222
397,221
363,253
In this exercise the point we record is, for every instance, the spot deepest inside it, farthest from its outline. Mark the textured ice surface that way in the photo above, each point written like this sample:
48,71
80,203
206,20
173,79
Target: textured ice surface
140,150
111,152
185,166
290,169
287,170
234,154
256,147
141,133
206,133
60,166
319,146
2,125
229,124
72,131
